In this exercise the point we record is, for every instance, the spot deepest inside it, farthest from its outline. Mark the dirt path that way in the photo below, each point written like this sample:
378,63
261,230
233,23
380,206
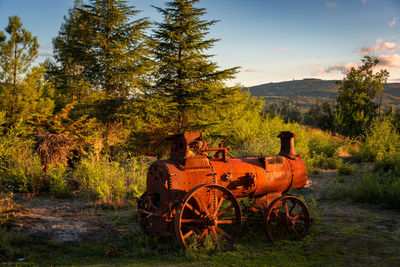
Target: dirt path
70,220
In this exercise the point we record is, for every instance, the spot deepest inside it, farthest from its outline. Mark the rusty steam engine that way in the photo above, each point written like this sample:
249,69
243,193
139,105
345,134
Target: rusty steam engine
194,194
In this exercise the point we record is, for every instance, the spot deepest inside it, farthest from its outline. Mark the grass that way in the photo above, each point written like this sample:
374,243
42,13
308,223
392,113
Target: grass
350,239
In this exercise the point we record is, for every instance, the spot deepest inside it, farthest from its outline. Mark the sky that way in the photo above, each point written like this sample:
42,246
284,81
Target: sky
270,40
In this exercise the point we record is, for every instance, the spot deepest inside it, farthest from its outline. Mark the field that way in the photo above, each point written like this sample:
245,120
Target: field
54,232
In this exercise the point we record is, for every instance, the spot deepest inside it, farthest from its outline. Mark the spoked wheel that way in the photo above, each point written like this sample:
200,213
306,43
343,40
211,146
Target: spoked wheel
287,217
208,211
142,217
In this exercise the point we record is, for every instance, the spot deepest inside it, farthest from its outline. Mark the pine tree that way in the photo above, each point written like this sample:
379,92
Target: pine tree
24,94
187,82
101,43
16,56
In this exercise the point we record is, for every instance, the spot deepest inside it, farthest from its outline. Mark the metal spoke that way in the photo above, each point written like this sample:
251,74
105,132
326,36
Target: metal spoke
286,209
225,210
291,209
205,233
225,221
219,205
187,234
201,203
192,221
193,209
215,234
223,232
295,231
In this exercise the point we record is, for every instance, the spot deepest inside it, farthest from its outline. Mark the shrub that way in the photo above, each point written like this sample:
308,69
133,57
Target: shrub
377,189
57,180
111,182
7,208
381,139
321,161
21,170
390,163
347,169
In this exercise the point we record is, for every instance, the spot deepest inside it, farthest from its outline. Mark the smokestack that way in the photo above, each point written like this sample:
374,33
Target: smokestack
287,144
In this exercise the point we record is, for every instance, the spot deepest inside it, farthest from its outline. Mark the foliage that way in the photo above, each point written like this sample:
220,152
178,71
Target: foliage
320,115
389,164
324,162
111,183
57,181
288,111
100,55
62,134
355,108
187,82
7,208
346,169
377,188
381,141
20,168
54,148
24,94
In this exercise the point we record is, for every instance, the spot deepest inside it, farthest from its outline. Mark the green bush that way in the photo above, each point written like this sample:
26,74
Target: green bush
321,161
381,139
111,182
57,179
377,189
390,163
21,170
347,169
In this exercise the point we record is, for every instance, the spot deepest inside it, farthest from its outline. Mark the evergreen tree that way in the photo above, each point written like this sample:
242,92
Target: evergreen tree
355,107
187,82
101,48
24,94
16,56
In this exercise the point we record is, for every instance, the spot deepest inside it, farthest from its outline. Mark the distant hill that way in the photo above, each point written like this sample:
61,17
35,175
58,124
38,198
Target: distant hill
307,92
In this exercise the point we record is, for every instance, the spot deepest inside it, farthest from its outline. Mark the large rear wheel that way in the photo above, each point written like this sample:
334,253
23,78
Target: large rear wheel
208,211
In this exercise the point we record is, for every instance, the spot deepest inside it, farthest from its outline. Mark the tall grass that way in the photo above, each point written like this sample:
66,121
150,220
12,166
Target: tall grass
20,168
381,140
57,178
111,183
381,146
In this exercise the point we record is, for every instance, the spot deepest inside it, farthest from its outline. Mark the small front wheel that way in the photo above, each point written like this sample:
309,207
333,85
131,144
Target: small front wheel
287,217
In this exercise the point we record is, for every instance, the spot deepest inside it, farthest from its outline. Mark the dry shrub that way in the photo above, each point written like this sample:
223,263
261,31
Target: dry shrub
7,208
54,148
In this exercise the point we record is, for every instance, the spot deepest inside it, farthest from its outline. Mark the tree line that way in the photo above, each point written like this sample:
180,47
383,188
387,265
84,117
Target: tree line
117,76
119,82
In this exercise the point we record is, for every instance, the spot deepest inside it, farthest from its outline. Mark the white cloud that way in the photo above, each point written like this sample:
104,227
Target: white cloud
392,61
380,46
331,4
283,49
251,70
364,1
393,22
343,68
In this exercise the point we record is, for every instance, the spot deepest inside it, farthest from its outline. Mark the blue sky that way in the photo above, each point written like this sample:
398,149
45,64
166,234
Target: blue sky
270,40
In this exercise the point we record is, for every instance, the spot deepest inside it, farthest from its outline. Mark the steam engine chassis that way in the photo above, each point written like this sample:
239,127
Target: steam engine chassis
193,195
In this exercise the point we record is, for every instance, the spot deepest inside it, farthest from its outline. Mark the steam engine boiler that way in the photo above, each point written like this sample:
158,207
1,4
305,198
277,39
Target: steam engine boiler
194,194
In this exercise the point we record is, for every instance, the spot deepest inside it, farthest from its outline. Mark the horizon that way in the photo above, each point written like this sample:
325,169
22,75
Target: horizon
288,40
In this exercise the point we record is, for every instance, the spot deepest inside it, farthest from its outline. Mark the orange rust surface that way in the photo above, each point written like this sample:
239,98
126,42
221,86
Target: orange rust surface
190,165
